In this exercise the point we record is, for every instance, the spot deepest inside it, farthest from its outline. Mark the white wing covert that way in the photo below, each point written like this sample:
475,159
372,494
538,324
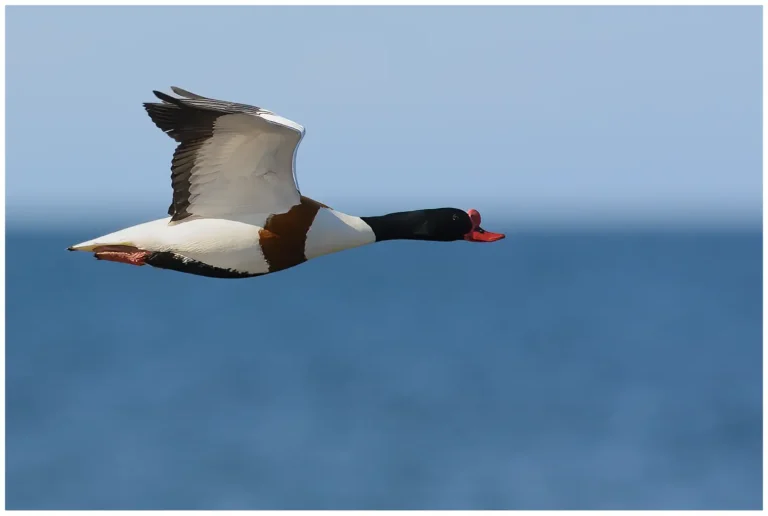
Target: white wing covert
231,158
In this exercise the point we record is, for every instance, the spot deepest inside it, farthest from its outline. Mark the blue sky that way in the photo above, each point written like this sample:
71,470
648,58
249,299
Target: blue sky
562,113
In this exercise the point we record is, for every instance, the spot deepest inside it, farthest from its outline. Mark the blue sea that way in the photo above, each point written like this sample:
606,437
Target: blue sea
578,369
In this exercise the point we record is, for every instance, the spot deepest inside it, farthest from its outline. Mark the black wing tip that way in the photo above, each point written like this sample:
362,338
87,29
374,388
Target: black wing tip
181,92
166,98
186,93
152,106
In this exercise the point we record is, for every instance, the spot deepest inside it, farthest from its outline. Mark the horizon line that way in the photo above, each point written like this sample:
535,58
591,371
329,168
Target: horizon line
513,213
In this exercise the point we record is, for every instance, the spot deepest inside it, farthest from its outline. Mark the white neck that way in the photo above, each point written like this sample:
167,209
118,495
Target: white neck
333,231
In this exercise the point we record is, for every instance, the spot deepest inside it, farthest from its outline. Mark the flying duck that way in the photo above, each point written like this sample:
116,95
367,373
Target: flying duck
237,211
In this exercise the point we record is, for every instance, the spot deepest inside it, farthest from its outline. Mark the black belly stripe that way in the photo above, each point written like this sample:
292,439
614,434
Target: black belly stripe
282,243
174,262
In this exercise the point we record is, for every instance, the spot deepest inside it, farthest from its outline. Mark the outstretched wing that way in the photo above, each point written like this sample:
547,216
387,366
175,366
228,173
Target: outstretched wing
231,158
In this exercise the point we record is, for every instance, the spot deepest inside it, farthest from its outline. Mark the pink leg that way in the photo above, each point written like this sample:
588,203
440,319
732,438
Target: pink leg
122,254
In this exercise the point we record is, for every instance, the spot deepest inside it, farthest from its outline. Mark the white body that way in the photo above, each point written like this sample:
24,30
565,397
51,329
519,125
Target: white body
234,243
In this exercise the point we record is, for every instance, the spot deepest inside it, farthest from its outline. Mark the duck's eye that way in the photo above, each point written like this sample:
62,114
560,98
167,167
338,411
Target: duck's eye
455,217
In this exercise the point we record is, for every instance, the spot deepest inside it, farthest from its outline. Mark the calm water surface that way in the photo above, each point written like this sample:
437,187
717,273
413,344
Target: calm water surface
580,370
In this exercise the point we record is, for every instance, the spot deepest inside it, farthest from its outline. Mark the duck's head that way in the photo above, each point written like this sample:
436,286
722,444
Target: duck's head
441,224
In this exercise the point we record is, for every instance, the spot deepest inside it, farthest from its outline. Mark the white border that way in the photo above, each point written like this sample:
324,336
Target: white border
358,3
665,3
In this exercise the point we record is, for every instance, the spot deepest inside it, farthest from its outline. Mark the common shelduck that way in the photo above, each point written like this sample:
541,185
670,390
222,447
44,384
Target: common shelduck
237,211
